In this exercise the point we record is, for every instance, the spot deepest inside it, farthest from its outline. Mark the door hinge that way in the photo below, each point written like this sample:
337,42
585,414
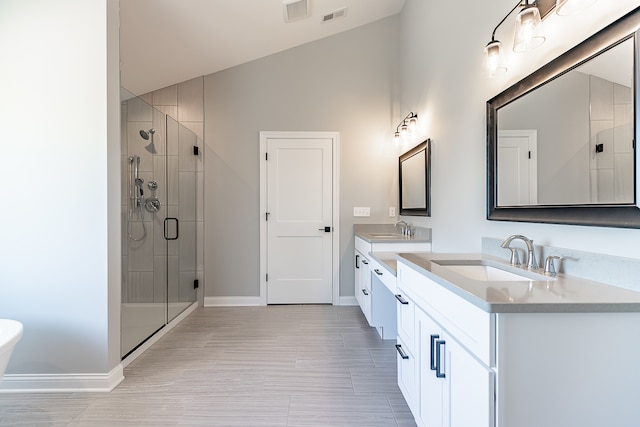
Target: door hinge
529,154
196,284
196,150
266,156
267,277
266,216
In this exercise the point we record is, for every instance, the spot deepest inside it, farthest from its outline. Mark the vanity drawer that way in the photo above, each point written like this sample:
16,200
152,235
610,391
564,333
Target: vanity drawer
470,325
383,274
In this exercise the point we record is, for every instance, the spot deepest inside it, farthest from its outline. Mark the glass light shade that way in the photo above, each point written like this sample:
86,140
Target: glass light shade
404,129
493,60
529,33
396,138
571,7
413,123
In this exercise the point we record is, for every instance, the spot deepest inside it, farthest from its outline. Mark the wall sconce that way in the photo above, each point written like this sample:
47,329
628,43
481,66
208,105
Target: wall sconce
405,127
528,30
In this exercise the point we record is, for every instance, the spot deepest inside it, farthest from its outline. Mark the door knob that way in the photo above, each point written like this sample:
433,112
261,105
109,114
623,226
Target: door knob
326,229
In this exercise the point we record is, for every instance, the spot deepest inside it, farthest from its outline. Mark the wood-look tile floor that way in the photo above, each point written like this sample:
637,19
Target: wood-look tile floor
294,365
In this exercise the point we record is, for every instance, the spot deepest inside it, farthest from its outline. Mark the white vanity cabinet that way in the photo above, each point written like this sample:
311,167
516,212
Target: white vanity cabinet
375,284
560,366
443,384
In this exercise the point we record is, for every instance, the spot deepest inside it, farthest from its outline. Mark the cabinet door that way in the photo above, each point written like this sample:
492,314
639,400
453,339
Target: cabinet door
407,363
432,387
469,388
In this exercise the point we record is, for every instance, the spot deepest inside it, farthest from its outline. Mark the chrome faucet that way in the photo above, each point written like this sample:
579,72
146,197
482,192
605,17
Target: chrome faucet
532,264
403,226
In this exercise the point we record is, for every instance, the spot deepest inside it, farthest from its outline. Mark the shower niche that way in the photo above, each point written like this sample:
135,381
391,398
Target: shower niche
159,176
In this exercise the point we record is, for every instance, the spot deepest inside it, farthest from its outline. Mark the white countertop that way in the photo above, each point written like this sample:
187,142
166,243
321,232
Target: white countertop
558,294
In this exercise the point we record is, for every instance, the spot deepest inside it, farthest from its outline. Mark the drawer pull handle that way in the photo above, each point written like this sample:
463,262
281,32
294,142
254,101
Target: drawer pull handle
364,291
365,262
378,272
439,372
402,300
434,337
401,352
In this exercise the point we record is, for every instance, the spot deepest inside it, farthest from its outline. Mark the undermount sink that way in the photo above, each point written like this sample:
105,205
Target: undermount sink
386,235
485,271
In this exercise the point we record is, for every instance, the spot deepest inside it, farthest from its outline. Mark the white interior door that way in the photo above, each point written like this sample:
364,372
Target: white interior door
517,167
299,221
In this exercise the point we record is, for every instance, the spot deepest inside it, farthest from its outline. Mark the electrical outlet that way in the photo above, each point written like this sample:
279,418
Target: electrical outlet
392,212
362,211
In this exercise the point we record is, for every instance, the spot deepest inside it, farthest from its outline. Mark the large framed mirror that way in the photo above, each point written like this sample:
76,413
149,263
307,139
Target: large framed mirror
561,142
414,180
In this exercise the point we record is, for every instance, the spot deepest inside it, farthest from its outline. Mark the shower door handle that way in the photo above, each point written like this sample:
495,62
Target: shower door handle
171,229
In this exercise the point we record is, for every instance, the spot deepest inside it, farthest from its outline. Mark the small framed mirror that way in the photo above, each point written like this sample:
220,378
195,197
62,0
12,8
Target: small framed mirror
414,180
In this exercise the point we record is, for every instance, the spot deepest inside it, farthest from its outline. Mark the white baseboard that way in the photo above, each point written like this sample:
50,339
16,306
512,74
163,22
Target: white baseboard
350,300
231,301
58,383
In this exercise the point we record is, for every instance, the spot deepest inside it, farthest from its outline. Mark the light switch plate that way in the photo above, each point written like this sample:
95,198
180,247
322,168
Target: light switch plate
392,211
362,211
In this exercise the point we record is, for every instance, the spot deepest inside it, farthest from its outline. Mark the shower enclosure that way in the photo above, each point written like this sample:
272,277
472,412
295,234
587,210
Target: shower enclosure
159,274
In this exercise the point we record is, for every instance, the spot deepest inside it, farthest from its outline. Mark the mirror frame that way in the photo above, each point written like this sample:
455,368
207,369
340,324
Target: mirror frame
606,215
426,211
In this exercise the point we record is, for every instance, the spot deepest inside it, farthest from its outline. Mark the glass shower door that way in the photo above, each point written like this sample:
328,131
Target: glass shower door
180,222
159,172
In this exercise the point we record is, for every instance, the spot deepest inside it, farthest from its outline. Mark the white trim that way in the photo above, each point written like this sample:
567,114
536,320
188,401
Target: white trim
232,301
162,332
66,383
348,300
335,137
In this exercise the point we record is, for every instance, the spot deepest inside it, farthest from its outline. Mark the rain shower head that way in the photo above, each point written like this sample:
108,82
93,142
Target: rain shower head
145,133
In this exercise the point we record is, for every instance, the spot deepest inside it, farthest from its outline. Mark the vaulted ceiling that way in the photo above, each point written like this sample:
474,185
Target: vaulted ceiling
163,42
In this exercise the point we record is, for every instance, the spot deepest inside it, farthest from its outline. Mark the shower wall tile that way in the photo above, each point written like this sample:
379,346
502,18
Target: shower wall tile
605,186
123,127
186,292
173,245
187,198
158,147
200,196
200,247
140,287
173,138
622,94
196,127
187,140
187,246
138,110
173,277
166,96
159,242
191,100
160,279
141,252
172,180
169,110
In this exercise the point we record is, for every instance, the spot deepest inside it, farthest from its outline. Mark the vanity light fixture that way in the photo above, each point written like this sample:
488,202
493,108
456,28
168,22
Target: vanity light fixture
405,127
528,30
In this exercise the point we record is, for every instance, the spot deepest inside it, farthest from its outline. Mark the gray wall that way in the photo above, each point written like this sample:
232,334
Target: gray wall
345,83
441,80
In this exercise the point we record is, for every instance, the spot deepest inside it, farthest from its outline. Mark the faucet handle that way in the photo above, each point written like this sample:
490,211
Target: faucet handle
549,267
514,259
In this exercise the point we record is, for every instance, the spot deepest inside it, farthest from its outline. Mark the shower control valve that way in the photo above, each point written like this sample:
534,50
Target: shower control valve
152,204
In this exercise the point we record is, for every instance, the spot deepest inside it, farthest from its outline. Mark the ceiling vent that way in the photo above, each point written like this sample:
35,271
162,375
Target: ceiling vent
334,15
295,9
